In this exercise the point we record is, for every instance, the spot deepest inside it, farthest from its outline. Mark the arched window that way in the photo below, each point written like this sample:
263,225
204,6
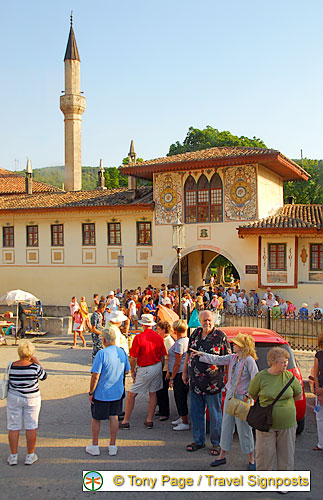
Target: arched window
216,201
190,200
203,199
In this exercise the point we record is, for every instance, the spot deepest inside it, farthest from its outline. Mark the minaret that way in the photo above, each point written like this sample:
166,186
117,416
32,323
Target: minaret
29,178
101,176
72,104
132,161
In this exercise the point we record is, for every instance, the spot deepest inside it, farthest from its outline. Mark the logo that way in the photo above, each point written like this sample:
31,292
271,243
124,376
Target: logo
92,480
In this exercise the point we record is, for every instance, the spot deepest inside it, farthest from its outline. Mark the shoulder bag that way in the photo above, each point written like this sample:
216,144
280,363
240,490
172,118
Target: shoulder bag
236,407
260,417
4,384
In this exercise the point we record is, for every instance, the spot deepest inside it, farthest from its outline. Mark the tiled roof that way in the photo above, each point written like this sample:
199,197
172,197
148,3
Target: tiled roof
95,198
205,154
13,183
219,156
291,216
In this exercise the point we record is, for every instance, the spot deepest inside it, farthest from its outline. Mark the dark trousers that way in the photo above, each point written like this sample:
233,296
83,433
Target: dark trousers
162,398
22,330
180,394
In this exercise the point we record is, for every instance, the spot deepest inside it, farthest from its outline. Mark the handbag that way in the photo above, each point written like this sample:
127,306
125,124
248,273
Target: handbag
236,407
4,384
260,417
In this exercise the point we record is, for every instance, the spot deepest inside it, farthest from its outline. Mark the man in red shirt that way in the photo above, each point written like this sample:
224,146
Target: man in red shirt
147,355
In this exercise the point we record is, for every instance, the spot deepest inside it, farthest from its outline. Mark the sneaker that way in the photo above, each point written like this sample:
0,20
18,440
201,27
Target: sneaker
31,458
252,466
113,449
93,449
181,427
178,421
12,459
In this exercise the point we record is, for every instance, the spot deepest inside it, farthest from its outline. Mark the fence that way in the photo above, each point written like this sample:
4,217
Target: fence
299,333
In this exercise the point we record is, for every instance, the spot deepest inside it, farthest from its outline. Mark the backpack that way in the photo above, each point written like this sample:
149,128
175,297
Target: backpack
317,314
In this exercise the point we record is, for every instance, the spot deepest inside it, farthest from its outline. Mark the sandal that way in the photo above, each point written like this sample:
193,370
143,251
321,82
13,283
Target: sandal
215,451
317,448
149,425
194,447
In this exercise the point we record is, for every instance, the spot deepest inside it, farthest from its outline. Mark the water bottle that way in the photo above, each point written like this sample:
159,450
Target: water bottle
317,408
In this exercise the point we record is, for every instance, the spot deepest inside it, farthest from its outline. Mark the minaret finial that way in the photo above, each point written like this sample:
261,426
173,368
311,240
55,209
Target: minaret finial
71,18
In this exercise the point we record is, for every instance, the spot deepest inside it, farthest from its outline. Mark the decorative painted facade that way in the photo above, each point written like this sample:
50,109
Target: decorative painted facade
168,198
240,189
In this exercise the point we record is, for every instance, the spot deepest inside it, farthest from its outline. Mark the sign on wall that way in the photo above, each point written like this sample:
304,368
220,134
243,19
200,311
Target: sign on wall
157,269
251,269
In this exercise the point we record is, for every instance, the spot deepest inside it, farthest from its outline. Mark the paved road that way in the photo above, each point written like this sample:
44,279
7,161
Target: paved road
65,430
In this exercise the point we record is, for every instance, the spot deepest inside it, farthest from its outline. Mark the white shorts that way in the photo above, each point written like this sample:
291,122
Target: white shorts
148,379
78,327
20,408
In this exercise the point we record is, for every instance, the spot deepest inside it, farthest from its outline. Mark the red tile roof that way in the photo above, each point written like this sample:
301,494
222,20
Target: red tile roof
77,199
289,217
14,183
219,156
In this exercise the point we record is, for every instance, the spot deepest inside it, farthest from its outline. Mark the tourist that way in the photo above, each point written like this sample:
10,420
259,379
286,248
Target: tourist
280,440
242,369
147,355
85,313
205,383
303,311
24,401
164,329
96,329
78,326
106,390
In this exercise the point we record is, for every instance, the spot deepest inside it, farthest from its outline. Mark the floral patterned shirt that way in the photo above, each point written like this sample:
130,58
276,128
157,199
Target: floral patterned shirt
207,379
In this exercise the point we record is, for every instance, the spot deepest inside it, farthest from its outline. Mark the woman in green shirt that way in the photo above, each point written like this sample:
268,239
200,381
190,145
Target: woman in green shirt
280,440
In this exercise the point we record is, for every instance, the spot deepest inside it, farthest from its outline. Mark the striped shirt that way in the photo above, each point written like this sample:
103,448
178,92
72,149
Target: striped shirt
23,380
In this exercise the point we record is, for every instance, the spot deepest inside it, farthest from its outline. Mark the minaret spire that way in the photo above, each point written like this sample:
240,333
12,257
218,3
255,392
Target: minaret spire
72,105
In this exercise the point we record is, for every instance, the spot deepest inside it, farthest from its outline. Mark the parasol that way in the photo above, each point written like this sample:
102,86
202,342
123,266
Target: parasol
16,296
166,314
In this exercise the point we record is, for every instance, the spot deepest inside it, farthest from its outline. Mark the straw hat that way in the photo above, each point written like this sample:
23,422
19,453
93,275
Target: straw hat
147,320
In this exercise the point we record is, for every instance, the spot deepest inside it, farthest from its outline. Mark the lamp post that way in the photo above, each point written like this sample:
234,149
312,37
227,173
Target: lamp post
121,265
178,244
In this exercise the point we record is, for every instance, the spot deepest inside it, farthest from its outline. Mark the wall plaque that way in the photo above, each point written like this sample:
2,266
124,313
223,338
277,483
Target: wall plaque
251,269
157,269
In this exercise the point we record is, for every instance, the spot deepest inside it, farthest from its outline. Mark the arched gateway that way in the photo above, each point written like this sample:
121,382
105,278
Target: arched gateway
195,264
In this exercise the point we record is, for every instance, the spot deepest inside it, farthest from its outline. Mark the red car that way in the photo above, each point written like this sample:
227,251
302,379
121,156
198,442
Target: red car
265,340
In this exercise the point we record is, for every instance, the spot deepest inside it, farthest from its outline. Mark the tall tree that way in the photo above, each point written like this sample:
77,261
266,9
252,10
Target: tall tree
210,137
310,191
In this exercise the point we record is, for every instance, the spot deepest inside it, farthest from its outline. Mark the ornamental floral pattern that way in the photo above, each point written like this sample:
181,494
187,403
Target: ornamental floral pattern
240,193
168,198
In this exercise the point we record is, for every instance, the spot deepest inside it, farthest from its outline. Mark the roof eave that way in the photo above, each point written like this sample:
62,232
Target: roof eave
132,206
252,231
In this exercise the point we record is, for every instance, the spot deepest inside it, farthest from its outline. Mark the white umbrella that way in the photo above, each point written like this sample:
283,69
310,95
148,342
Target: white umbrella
16,296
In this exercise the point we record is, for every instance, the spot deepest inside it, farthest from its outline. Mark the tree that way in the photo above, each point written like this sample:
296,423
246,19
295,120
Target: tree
223,268
210,137
310,191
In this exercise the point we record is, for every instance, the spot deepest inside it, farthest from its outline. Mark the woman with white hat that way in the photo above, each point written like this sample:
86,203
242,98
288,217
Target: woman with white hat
115,319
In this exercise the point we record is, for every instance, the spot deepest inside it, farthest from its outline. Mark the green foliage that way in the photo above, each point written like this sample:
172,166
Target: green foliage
114,178
125,160
210,137
310,191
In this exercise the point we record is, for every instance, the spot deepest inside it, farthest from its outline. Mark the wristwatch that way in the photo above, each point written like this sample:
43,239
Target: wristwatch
91,393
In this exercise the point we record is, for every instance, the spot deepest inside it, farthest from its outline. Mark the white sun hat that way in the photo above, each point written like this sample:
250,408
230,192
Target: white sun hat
116,317
147,320
111,293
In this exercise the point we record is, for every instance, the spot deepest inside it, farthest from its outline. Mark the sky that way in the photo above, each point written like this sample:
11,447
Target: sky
151,69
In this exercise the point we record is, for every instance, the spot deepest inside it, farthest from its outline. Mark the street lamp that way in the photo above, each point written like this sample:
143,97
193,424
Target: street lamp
121,265
178,244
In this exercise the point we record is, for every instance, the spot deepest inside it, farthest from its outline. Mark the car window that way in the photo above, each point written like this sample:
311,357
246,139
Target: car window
262,349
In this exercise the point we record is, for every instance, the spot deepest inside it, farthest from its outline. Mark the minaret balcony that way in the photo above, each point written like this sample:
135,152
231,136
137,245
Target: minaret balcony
72,104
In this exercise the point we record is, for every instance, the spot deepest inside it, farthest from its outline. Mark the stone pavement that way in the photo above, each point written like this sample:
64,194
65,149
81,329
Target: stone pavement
64,431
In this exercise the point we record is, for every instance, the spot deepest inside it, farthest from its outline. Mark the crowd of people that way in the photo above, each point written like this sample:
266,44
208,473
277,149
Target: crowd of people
162,356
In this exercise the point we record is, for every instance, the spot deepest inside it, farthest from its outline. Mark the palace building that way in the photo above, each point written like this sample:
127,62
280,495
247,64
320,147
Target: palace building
227,201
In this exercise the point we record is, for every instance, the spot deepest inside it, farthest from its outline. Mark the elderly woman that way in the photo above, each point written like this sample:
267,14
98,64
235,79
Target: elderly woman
280,440
106,390
242,369
24,401
318,381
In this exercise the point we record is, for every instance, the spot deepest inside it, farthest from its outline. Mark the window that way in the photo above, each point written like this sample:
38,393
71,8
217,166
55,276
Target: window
114,233
88,234
57,235
32,236
316,258
8,236
143,233
190,200
203,205
216,214
277,256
